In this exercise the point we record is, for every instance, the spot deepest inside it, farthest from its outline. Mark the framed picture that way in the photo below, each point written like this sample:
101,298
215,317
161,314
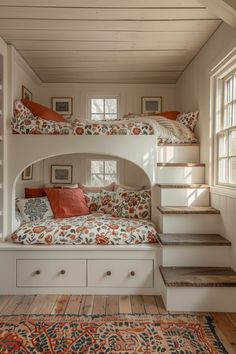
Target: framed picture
61,174
27,174
63,105
26,94
151,104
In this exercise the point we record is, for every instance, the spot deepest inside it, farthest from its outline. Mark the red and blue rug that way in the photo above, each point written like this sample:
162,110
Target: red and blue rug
59,334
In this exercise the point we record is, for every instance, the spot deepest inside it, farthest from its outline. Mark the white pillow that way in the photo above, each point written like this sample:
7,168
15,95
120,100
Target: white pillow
34,209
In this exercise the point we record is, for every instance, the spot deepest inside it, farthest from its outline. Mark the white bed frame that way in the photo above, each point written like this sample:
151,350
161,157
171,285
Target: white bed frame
132,269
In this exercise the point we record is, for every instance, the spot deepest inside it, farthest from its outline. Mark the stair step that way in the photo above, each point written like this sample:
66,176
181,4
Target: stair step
193,240
182,186
198,276
180,164
188,210
182,145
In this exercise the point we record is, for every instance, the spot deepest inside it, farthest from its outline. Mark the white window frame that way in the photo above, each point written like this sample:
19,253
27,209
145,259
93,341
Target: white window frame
103,96
102,159
219,75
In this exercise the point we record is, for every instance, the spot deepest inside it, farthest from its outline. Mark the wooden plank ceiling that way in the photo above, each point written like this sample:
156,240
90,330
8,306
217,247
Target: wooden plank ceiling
107,41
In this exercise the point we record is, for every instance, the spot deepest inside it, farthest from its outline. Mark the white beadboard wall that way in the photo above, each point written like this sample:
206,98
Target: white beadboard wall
193,92
129,95
128,173
227,207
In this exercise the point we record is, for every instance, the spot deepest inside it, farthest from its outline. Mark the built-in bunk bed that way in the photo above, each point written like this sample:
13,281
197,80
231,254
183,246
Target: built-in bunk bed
76,241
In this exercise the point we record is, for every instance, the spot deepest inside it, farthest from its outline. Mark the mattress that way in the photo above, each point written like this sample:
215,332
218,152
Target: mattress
94,229
166,130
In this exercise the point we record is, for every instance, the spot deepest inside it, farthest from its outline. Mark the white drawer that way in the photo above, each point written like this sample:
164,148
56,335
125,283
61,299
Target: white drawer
115,273
50,273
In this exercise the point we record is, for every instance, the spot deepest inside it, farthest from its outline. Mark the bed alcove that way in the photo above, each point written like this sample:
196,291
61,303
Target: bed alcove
139,150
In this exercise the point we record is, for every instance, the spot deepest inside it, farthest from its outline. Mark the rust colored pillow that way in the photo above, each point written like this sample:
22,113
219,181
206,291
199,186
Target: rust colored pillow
170,115
66,203
42,111
34,193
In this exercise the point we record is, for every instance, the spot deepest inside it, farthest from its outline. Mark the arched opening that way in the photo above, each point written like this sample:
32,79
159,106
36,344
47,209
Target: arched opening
79,168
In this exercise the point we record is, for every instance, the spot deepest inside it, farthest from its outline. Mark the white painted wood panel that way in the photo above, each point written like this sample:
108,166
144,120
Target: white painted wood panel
105,36
178,154
105,13
104,3
79,25
120,273
52,272
180,175
183,197
159,44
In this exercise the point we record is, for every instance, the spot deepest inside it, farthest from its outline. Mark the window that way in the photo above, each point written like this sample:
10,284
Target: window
103,172
103,108
226,130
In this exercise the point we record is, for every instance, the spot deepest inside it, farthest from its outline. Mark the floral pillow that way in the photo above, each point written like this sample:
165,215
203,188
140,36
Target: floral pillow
107,202
93,201
34,209
133,204
21,111
189,119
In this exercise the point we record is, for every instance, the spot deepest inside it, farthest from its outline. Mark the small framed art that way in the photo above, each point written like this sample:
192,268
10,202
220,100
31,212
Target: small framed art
151,104
26,94
62,105
61,174
27,174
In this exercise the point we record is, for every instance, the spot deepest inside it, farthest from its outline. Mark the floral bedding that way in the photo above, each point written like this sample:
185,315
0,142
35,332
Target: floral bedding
99,229
166,130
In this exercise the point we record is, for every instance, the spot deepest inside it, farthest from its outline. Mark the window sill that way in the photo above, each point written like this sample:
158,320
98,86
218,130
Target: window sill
228,192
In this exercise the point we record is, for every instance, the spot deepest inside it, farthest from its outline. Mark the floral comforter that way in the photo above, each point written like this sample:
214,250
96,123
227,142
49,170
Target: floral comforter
99,229
166,130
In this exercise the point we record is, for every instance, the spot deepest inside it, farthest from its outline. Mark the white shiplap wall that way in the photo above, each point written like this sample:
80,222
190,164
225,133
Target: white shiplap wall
193,92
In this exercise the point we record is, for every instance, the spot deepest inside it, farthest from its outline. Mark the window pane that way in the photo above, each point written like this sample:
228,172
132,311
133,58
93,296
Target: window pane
233,170
97,166
223,170
228,116
97,117
110,167
232,140
110,178
234,111
111,105
229,89
97,180
223,141
97,105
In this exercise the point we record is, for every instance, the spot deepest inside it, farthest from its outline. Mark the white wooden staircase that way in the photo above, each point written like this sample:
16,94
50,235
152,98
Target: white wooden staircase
196,272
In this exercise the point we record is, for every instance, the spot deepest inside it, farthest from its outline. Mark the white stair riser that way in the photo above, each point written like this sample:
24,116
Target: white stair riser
183,197
208,299
196,256
180,174
187,223
177,154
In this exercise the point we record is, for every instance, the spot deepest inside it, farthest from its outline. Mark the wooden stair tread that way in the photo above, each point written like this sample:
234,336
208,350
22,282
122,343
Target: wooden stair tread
198,276
193,240
182,145
173,186
187,210
180,164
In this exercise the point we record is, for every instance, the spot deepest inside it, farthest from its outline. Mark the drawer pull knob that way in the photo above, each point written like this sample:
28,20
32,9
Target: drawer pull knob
108,272
63,271
132,273
37,272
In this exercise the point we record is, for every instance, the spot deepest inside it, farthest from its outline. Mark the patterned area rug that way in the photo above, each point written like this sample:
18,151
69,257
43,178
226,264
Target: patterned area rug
109,334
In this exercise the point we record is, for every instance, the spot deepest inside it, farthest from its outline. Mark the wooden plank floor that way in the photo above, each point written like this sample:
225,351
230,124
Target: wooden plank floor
78,304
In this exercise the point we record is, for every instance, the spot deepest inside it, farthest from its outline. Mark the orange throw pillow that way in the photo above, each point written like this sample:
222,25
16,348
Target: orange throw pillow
42,111
66,203
34,193
170,115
